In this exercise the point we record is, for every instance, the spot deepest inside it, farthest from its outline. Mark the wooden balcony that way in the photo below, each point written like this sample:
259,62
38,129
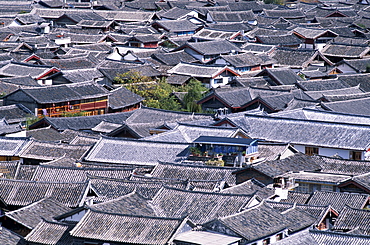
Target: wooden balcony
89,108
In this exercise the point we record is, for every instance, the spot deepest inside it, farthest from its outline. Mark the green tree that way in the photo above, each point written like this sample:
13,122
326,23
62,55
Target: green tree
194,93
158,94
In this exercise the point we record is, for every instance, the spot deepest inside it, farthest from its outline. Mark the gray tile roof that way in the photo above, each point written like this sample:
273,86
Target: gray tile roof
352,218
213,47
63,93
342,166
176,25
232,16
254,223
187,133
45,134
173,58
77,174
122,97
22,193
32,214
22,69
297,162
292,57
85,122
114,188
353,106
50,151
124,151
51,233
199,207
338,200
194,172
345,51
281,76
132,228
132,203
335,92
12,146
15,113
250,187
8,237
323,134
201,71
322,85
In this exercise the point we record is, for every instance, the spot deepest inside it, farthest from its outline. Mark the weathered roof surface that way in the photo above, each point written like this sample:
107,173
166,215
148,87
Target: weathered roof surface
359,65
273,151
353,218
297,162
213,47
132,203
342,166
51,151
77,174
324,134
211,238
323,85
311,33
246,59
254,223
45,134
24,69
281,76
188,133
177,25
132,229
199,70
338,200
345,51
324,237
283,40
11,238
232,16
194,172
15,113
173,58
85,122
84,62
32,214
124,151
62,93
122,97
285,13
200,207
297,197
353,106
292,57
13,146
250,187
114,188
324,178
335,92
51,233
22,193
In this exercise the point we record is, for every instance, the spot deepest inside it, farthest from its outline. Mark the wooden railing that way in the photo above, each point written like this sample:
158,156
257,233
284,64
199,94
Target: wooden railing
58,111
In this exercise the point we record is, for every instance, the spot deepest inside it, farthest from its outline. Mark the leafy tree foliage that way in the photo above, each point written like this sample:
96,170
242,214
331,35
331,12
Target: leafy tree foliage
158,94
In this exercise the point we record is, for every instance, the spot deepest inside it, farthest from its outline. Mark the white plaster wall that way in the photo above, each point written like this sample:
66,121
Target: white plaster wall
194,54
346,69
329,151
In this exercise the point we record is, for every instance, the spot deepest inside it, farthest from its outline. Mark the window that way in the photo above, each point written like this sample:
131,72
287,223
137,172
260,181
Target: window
302,187
326,188
311,150
217,81
355,155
